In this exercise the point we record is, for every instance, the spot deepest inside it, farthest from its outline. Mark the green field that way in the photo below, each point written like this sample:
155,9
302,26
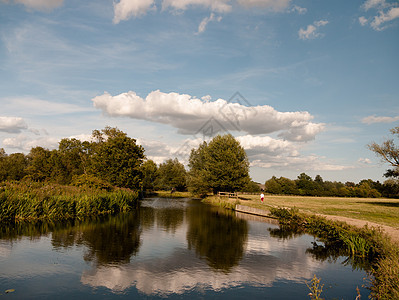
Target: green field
378,210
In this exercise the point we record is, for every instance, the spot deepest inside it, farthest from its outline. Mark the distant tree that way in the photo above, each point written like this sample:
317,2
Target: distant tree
172,174
222,165
272,186
252,187
149,169
116,158
39,164
305,184
12,167
389,153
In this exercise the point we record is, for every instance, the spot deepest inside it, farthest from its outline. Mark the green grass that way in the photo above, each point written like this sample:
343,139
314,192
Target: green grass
168,194
382,211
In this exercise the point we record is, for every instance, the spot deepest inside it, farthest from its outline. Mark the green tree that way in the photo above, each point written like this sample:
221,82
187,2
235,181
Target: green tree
197,176
149,170
116,158
222,165
272,186
39,164
389,153
172,174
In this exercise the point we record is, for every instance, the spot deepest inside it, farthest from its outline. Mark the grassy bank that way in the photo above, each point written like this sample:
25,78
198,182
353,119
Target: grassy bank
299,213
168,194
382,211
36,201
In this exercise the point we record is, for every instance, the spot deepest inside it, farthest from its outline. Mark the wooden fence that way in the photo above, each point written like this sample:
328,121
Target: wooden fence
228,195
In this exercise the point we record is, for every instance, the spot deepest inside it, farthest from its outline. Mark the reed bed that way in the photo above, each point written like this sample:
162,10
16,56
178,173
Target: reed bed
366,243
36,201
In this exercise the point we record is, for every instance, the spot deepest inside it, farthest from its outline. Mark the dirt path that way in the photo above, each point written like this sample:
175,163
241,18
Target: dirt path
390,231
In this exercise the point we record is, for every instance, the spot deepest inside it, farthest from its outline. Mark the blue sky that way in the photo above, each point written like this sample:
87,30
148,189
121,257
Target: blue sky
303,85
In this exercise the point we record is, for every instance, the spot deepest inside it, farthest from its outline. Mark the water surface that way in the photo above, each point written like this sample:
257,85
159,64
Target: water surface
169,248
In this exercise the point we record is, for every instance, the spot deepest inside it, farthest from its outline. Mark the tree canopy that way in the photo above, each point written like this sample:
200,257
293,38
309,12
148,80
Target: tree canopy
221,165
389,153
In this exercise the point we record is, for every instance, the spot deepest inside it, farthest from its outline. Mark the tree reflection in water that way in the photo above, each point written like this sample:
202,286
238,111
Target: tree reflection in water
221,241
110,241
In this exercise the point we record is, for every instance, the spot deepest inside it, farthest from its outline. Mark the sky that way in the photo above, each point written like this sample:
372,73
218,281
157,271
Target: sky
303,85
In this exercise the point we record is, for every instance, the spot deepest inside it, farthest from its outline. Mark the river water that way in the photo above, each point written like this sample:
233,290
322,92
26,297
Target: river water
169,248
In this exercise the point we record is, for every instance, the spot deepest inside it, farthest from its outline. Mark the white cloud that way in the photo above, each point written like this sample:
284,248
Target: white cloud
374,119
42,5
382,18
191,115
35,106
125,9
374,4
205,21
364,161
386,12
276,5
311,30
298,9
22,142
363,21
12,124
221,6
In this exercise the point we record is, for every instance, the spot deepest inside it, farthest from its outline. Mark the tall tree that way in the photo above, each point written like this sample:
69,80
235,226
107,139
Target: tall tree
222,165
117,159
389,153
172,174
149,170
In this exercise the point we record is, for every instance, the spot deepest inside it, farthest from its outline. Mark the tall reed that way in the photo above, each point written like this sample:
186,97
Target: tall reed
35,201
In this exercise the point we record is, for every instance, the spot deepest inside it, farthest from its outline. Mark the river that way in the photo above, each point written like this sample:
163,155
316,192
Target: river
170,248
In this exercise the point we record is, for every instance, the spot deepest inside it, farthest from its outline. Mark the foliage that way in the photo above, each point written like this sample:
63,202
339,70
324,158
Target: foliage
112,157
221,165
172,175
117,158
34,201
251,187
304,185
315,288
389,153
363,242
149,170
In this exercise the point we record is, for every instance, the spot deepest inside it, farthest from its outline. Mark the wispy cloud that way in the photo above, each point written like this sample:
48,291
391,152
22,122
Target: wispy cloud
383,13
41,5
311,31
374,119
125,9
205,21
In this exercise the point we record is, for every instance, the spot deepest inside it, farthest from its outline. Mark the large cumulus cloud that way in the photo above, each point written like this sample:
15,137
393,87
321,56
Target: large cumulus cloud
189,114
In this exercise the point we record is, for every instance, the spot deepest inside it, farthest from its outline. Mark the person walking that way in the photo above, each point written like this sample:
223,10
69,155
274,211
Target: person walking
262,197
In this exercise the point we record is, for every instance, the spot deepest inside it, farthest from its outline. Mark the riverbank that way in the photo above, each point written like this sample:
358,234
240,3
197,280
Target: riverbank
362,238
31,201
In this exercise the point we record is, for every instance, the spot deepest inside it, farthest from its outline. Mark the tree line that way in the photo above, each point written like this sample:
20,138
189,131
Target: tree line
305,185
112,158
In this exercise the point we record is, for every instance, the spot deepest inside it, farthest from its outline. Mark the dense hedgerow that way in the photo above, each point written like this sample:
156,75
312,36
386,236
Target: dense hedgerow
35,201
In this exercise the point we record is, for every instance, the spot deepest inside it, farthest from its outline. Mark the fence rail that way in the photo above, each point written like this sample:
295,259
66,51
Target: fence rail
228,195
